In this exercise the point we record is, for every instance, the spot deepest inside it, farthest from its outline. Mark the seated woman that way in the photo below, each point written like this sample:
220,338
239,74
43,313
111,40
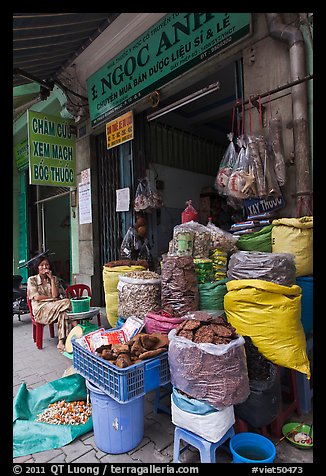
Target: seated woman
48,307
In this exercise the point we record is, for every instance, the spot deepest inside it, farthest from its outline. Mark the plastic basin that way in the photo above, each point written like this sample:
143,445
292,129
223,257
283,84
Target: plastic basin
249,447
81,304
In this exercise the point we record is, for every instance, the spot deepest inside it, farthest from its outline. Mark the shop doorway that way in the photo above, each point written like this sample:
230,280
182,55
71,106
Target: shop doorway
50,229
185,147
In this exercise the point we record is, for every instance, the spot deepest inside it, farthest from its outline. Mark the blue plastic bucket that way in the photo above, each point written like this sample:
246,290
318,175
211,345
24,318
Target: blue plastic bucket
306,283
118,427
249,447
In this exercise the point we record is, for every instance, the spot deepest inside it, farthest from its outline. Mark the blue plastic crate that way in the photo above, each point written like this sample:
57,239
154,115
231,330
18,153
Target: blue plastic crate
123,385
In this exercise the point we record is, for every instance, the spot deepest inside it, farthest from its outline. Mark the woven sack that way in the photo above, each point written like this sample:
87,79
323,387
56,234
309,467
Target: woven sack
160,322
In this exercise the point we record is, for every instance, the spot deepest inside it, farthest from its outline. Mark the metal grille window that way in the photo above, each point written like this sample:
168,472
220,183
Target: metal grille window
109,181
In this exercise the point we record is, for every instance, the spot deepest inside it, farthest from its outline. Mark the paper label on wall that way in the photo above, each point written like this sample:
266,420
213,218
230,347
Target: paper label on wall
123,200
85,198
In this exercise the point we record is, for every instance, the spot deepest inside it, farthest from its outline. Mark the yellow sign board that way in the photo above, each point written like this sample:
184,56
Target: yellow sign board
119,130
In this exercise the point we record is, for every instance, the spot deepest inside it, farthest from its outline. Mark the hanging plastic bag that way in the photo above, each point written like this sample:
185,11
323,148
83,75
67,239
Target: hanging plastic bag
131,245
267,160
146,197
257,166
241,182
189,213
141,196
226,167
275,138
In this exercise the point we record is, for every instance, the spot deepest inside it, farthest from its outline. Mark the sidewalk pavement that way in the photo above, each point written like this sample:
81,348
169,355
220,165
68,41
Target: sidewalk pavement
36,367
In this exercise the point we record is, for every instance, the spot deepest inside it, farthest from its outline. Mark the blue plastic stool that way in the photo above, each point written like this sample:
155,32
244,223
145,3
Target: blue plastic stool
207,449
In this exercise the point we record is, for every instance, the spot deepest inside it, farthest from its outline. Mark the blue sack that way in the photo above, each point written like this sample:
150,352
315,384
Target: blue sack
191,405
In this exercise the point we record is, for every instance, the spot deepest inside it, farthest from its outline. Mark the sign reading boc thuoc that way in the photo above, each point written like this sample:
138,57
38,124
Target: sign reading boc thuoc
172,46
52,151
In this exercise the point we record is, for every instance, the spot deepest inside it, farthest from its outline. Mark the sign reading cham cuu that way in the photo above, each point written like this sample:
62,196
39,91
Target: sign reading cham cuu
172,46
52,154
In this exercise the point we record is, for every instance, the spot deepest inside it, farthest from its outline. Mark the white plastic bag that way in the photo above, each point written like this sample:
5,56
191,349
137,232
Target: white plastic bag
211,427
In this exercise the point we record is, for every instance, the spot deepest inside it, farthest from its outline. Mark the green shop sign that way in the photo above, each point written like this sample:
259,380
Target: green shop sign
172,46
21,154
52,151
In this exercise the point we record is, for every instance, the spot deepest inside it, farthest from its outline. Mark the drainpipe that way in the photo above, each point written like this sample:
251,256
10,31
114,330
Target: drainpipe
294,39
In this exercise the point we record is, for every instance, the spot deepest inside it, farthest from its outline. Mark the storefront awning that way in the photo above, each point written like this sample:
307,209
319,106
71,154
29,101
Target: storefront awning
45,43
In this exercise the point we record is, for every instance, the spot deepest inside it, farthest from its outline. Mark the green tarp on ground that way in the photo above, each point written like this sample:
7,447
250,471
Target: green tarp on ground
31,436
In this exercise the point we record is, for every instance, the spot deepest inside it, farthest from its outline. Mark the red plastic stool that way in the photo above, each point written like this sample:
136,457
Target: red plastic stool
38,328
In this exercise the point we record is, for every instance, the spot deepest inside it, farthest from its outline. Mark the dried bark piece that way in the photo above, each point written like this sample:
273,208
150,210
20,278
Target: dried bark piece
191,325
103,347
118,348
222,331
186,334
149,341
204,335
151,353
163,340
136,347
181,325
219,320
107,354
123,360
221,340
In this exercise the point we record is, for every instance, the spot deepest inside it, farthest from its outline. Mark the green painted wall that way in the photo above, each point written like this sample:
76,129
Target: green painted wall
54,105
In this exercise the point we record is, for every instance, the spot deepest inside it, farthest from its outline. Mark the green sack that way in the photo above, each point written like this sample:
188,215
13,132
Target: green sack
31,436
258,241
211,295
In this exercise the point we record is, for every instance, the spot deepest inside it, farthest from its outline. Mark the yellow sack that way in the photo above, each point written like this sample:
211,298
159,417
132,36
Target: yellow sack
270,314
295,235
110,282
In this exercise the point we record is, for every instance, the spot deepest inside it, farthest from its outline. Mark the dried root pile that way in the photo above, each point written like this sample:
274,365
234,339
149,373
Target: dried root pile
66,413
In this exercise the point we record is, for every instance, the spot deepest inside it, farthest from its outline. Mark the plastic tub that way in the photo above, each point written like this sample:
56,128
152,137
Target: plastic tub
81,304
118,428
306,283
249,447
